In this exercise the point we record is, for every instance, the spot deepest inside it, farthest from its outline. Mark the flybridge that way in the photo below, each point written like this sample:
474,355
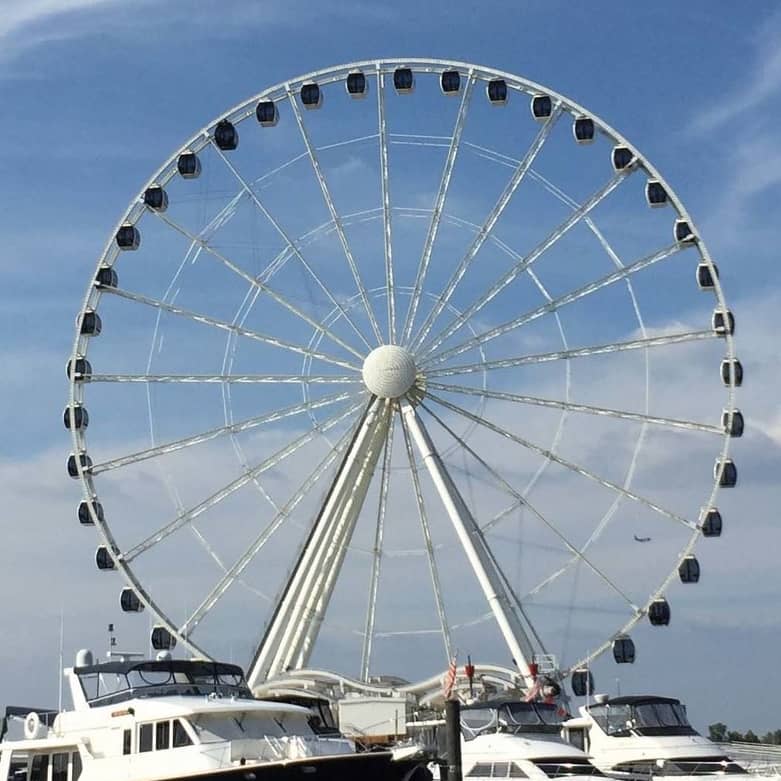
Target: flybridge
114,682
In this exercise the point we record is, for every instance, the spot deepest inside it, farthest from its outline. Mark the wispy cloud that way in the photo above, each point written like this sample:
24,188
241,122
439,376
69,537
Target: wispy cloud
762,83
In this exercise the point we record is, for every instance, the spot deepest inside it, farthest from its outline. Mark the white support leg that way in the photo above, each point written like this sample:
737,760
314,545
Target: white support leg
297,606
518,642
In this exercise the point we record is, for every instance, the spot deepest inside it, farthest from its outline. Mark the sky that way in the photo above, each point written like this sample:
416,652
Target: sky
102,91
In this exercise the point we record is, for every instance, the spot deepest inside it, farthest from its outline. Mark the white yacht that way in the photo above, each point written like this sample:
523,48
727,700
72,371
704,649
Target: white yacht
512,739
177,719
645,737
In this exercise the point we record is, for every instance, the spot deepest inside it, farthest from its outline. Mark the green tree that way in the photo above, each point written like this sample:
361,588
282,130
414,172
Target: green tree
750,737
737,737
717,731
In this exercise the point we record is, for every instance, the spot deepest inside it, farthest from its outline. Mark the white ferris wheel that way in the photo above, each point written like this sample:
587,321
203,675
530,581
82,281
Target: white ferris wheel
397,359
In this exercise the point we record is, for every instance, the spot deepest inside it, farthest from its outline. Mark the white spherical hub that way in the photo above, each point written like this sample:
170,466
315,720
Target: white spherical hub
389,371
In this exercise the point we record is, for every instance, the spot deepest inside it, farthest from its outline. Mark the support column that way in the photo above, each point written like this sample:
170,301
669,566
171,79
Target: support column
471,539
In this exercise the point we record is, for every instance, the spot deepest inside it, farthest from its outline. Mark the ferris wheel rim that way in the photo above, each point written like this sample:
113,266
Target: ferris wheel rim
284,90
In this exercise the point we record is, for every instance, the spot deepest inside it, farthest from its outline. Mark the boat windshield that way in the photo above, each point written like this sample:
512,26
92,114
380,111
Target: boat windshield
512,717
654,716
113,682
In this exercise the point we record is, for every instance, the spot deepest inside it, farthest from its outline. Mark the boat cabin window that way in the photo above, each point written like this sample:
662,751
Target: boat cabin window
17,767
696,766
566,766
145,737
65,766
60,766
162,735
39,769
576,736
181,738
496,770
75,766
127,741
212,728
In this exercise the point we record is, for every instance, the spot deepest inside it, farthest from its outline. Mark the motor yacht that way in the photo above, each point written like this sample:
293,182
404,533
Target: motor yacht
174,719
644,737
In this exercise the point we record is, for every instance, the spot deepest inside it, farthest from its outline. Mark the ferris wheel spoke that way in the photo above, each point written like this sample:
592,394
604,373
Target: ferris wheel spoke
387,231
291,246
348,253
426,530
689,425
379,534
521,500
565,463
268,463
232,428
248,379
578,352
232,574
261,286
436,216
554,304
231,327
488,226
525,262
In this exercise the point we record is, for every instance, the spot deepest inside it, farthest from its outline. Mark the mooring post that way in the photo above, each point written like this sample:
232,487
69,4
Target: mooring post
453,732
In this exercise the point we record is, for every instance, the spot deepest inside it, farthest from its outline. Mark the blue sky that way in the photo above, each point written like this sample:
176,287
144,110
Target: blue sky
99,92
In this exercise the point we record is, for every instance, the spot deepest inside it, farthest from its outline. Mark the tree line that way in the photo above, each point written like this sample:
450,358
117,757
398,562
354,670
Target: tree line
721,732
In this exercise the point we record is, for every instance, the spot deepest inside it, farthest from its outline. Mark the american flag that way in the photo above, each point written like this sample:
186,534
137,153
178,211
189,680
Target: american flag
450,678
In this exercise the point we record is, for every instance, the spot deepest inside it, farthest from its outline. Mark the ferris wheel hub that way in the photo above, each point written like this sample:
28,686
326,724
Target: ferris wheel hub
389,371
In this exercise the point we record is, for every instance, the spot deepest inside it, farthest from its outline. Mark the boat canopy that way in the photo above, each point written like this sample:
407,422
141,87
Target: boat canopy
112,682
513,717
642,715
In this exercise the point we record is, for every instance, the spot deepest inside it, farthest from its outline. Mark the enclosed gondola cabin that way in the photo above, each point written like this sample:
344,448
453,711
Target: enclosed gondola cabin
450,82
583,130
162,639
732,372
659,612
129,601
541,107
689,570
156,198
91,324
106,277
723,322
226,137
356,85
706,274
682,232
266,113
73,465
88,511
311,96
621,157
78,369
75,417
496,90
103,559
582,683
188,165
128,237
711,522
725,471
624,650
732,422
403,80
655,194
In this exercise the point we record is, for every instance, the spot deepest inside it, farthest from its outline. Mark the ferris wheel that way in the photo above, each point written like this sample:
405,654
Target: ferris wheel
411,355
